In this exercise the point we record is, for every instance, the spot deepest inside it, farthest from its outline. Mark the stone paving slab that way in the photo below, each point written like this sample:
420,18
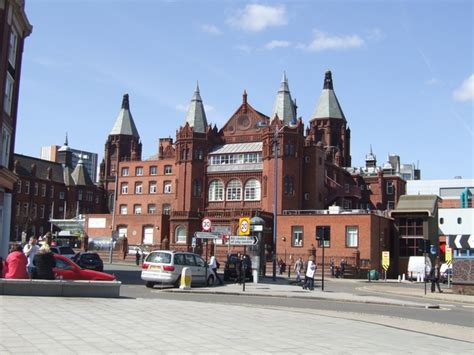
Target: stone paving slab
173,327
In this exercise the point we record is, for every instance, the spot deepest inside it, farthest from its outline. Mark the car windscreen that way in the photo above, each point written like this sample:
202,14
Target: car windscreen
159,257
67,250
90,258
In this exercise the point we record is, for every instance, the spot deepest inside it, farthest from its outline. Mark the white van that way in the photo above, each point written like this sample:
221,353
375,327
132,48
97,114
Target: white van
418,265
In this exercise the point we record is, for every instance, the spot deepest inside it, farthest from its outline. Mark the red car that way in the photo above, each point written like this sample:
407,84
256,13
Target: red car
67,269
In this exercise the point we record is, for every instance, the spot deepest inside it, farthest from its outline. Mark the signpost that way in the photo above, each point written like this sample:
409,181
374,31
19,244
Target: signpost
385,262
243,240
244,226
448,258
206,224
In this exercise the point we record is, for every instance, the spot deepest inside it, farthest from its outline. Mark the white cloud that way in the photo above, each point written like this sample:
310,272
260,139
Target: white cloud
375,34
243,48
432,82
466,91
256,17
276,44
322,41
211,29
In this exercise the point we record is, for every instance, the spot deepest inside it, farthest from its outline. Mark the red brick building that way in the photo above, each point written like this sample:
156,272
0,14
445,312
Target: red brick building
228,173
14,28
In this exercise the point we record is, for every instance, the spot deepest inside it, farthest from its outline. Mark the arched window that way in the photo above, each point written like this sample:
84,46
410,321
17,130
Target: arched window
180,234
252,191
234,190
288,185
216,191
196,188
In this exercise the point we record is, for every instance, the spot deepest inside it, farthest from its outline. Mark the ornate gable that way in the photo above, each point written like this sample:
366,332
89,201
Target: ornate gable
244,125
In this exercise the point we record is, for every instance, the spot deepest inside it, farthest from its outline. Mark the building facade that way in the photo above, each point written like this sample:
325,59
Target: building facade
270,165
14,28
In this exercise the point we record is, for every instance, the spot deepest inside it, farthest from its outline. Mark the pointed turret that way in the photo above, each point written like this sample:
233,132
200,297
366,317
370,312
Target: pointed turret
196,116
65,154
80,175
284,106
370,159
328,105
124,124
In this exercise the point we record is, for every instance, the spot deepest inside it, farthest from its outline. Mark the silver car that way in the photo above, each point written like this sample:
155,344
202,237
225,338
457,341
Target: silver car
165,267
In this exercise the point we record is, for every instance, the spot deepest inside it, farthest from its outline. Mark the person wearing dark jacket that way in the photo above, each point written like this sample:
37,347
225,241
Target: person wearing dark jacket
44,262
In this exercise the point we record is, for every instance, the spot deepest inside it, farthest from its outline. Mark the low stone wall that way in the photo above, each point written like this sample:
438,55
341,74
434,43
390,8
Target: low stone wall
61,288
463,276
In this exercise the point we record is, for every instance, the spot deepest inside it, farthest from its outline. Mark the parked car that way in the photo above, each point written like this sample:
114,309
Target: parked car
67,269
89,260
165,267
68,252
230,268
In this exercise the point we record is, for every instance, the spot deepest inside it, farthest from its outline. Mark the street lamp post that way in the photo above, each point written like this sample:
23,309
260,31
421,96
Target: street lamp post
113,221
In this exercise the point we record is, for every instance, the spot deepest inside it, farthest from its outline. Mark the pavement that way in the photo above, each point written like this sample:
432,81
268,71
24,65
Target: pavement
356,292
62,325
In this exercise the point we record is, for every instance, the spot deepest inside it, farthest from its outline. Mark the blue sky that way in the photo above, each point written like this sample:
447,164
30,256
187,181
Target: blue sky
402,70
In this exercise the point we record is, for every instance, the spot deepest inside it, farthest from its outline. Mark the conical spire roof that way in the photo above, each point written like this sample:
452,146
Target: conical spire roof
196,116
65,146
328,105
124,124
80,175
284,106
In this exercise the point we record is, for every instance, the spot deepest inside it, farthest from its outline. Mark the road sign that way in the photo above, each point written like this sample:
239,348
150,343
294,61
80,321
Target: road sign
243,240
244,226
448,255
206,224
206,235
385,260
461,241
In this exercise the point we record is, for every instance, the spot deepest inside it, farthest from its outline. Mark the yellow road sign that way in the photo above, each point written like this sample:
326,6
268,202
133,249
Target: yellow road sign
385,260
244,226
448,255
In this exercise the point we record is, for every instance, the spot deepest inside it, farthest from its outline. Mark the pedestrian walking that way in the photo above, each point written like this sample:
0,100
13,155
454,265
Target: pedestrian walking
44,262
137,257
214,265
299,266
435,274
30,250
309,276
342,267
331,266
15,264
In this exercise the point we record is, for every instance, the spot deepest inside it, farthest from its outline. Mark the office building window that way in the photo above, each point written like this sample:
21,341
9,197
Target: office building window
51,192
123,209
389,187
125,172
234,190
297,236
323,236
42,208
352,237
168,169
166,209
27,187
8,98
43,190
216,191
252,191
137,209
153,170
151,208
61,195
124,188
138,171
12,47
167,187
35,189
138,188
6,141
152,188
196,188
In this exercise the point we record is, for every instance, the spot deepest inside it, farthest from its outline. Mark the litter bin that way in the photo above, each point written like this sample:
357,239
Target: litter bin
373,275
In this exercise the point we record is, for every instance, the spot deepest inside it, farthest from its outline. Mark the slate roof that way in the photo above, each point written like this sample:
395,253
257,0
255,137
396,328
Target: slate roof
237,148
417,203
80,175
124,124
24,163
196,116
328,105
284,106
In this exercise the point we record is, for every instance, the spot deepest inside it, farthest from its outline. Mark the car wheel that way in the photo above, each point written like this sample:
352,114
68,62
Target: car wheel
210,280
149,284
